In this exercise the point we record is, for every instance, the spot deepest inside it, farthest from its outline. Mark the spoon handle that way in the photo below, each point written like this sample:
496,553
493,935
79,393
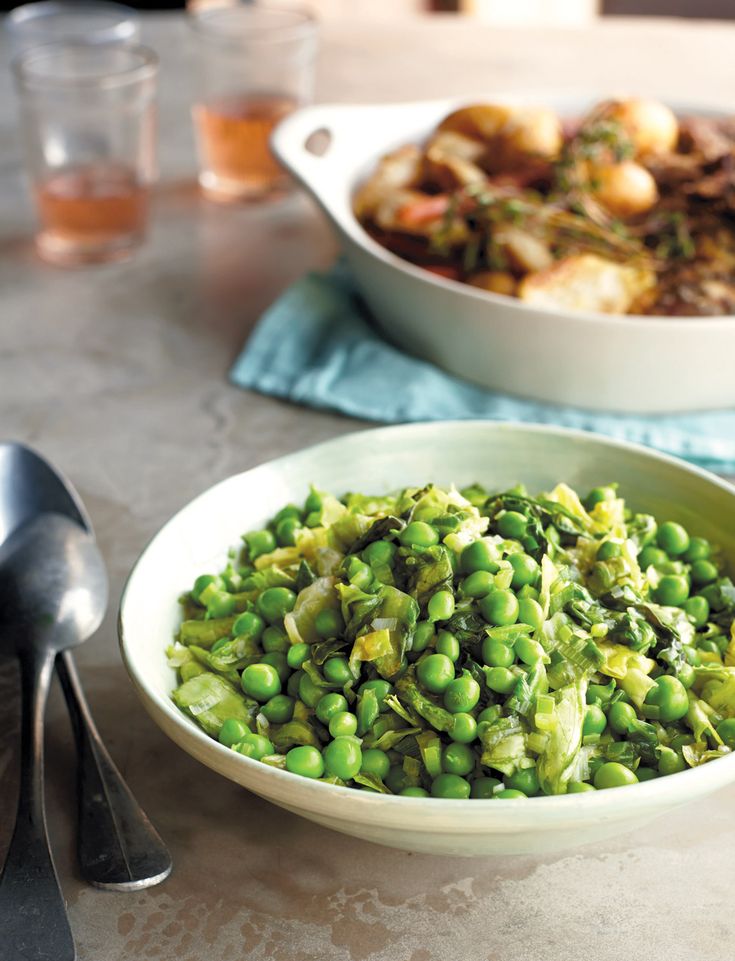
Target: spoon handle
33,917
117,846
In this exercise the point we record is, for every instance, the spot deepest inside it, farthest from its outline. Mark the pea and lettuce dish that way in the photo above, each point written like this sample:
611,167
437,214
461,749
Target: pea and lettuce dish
465,644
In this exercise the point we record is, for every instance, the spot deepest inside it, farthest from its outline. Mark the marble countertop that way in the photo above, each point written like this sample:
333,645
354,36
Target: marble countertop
118,374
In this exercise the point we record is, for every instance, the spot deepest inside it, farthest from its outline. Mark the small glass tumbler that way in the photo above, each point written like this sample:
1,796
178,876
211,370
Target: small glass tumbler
256,65
91,21
89,126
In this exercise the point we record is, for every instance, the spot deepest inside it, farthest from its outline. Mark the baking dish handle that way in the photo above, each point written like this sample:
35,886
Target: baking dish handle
351,131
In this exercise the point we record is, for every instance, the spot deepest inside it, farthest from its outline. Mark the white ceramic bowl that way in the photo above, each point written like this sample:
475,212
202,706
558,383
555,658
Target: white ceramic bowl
598,361
497,455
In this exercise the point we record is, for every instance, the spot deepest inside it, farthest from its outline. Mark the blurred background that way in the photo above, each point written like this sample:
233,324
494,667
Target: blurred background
501,12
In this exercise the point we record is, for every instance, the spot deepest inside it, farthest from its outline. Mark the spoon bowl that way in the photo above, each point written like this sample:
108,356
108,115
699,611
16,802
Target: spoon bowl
53,586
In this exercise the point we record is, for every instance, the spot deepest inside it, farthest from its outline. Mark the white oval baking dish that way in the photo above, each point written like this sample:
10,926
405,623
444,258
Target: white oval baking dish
597,361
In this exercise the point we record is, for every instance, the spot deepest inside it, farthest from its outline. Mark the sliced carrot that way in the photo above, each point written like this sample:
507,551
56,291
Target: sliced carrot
423,211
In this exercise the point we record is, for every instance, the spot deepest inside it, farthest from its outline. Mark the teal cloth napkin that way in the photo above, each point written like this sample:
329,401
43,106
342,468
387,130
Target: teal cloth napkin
316,346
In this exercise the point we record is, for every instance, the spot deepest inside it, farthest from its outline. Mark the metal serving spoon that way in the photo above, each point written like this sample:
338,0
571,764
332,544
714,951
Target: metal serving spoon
117,846
53,594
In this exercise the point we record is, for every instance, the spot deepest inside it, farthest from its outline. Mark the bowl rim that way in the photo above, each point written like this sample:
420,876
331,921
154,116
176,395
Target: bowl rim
660,791
348,223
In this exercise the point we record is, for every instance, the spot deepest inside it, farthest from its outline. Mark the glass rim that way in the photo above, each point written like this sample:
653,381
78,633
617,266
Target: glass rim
33,15
146,67
302,26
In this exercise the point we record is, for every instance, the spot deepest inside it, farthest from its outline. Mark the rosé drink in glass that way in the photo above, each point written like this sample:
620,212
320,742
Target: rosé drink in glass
255,67
88,115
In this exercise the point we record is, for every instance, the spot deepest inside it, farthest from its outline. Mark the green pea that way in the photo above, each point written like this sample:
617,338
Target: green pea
274,603
499,608
343,724
726,730
613,774
435,672
699,550
313,502
413,791
255,746
598,494
278,660
219,643
670,697
691,655
595,721
713,595
512,524
423,635
530,612
292,687
297,654
652,557
261,682
447,644
686,675
463,729
529,651
274,639
525,570
490,714
286,531
672,538
620,716
670,761
497,654
507,793
306,761
330,704
461,694
441,606
525,779
375,762
309,693
379,553
500,679
579,787
709,645
698,609
232,731
672,590
219,603
608,550
203,582
328,623
478,584
458,758
646,774
478,556
359,573
450,786
703,572
249,625
279,710
382,690
259,542
290,510
418,534
343,758
483,788
337,670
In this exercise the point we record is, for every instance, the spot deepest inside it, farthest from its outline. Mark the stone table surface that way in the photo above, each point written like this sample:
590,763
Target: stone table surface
118,374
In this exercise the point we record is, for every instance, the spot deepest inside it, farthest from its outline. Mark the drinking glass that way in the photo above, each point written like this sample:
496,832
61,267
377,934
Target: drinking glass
93,21
88,124
256,65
